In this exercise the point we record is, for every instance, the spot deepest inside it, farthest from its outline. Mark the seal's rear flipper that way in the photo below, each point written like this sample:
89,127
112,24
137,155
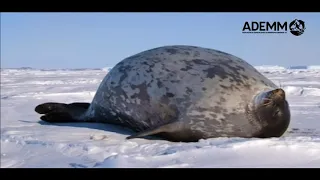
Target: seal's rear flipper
60,112
171,127
81,104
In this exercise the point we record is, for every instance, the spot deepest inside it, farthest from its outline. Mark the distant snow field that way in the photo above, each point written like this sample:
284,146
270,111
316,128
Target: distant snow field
28,142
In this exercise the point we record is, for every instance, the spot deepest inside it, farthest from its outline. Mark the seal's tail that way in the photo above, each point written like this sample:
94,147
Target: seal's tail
60,112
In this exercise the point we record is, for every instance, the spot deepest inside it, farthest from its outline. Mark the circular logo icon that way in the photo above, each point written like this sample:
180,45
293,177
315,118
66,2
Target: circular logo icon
297,27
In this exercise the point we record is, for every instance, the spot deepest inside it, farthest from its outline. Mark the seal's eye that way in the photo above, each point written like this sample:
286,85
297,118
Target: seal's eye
276,112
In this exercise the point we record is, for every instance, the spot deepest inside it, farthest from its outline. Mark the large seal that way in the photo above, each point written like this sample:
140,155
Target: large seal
182,93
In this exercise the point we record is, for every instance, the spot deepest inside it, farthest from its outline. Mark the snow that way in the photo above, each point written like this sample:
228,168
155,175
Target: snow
28,142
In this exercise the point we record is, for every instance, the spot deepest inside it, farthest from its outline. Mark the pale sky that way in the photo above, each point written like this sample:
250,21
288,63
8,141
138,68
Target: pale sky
95,40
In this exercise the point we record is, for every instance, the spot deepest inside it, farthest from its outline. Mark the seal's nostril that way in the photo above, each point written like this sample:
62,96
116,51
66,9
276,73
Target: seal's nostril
280,92
278,95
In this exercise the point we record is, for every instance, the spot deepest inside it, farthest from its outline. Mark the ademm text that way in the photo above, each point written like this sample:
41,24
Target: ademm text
265,27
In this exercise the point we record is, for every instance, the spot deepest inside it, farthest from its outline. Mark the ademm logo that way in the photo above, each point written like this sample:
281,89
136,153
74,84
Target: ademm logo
295,27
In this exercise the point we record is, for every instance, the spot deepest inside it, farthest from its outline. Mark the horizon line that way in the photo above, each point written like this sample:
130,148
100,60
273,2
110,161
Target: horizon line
28,67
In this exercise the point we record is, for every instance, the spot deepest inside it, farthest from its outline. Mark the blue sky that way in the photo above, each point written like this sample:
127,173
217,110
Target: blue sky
89,40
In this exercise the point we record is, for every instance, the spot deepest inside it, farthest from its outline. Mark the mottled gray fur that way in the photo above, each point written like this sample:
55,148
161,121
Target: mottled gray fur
205,91
184,93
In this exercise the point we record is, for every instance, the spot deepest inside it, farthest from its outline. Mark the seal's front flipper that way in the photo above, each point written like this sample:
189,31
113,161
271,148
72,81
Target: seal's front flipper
171,127
60,112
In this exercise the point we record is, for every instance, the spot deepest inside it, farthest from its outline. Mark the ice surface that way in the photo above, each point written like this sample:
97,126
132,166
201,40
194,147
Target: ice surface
28,142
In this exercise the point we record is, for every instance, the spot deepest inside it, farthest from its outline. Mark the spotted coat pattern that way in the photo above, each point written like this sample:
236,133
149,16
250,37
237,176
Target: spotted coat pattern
206,90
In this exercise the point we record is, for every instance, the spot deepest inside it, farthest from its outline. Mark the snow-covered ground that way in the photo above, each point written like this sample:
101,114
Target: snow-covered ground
28,142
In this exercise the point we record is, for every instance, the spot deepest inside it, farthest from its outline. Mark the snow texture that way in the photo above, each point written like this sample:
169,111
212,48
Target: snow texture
27,142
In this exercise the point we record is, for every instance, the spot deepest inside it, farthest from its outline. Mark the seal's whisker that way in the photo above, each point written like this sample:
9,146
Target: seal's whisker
266,104
269,101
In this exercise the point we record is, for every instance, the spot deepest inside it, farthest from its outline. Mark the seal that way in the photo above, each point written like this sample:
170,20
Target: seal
182,93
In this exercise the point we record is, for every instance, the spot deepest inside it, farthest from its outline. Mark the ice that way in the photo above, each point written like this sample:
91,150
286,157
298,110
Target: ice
28,142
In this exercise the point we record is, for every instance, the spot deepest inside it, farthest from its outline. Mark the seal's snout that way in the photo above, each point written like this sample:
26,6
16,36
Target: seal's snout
278,95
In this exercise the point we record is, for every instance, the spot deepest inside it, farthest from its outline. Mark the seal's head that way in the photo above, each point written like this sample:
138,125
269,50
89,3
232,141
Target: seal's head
272,111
